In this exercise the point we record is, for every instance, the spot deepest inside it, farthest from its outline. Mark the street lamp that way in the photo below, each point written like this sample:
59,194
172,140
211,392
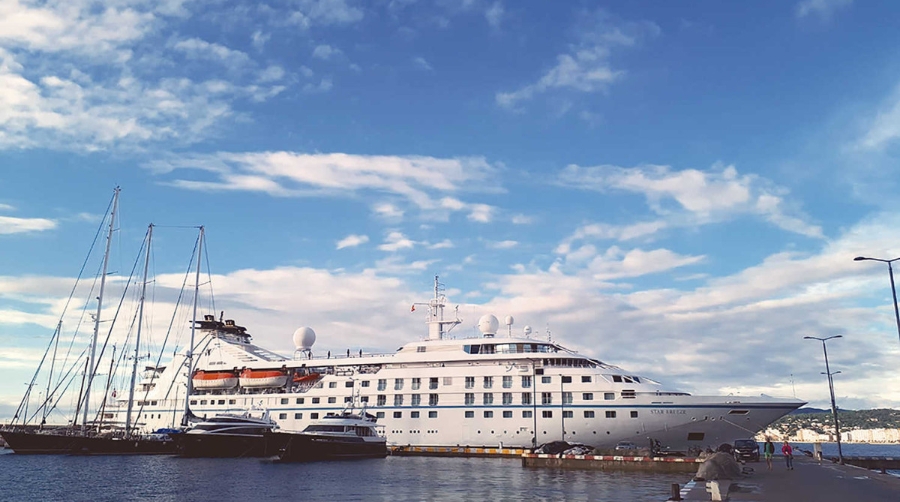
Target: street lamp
893,290
837,430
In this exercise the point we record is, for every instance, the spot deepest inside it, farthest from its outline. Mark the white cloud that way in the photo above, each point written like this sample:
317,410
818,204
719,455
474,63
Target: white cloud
396,241
200,49
507,244
699,196
271,74
884,129
494,14
352,240
822,8
521,219
6,207
413,178
11,225
324,12
387,210
420,63
259,39
585,67
326,52
444,244
324,85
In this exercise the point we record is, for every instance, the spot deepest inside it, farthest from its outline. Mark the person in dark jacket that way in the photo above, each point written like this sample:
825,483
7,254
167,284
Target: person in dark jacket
768,451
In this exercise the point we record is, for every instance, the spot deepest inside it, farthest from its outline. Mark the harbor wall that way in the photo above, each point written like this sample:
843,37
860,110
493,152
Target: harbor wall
613,463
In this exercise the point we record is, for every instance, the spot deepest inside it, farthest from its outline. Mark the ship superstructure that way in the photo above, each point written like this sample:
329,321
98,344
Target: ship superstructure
442,391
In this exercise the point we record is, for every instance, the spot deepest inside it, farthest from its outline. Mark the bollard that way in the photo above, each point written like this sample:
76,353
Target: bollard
676,492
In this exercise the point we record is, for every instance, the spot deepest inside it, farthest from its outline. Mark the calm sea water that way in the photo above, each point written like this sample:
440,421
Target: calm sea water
158,478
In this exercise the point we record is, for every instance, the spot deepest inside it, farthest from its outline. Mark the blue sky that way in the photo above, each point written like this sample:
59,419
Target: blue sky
676,188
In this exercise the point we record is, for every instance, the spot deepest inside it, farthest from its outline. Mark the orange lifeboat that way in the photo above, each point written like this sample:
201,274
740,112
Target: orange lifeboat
308,378
214,379
263,378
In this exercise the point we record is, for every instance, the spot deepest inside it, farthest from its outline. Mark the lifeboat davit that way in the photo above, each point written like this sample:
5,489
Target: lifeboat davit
263,378
214,379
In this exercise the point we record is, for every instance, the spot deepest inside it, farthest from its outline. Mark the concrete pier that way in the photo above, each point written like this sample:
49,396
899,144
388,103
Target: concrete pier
826,482
612,462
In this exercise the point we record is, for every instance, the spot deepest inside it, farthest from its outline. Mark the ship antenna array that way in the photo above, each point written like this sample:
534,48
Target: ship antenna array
436,322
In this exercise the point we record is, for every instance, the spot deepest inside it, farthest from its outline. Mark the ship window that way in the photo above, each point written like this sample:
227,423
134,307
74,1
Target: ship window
221,401
420,348
364,399
738,412
300,400
567,414
315,400
587,396
470,398
193,401
539,371
298,416
470,414
567,398
527,414
507,398
585,379
695,436
507,414
365,383
470,382
488,398
448,381
432,401
318,385
414,414
382,399
332,400
628,394
398,414
416,383
433,383
526,382
416,399
332,385
152,403
203,401
588,414
567,379
487,349
488,382
526,398
634,414
507,382
546,379
379,414
398,384
282,416
398,400
231,401
432,414
382,383
488,414
610,414
284,400
546,398
617,378
547,414
609,396
347,399
348,384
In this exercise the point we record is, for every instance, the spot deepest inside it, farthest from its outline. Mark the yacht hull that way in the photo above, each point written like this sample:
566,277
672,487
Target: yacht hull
34,443
302,447
227,445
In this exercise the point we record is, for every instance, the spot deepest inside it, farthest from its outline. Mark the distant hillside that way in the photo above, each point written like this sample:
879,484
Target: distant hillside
822,422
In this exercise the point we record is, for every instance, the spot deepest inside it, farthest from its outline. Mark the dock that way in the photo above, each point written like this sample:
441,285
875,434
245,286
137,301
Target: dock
454,451
613,462
810,480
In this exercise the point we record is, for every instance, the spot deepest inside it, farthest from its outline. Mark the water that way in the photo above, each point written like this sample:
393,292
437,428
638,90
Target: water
162,478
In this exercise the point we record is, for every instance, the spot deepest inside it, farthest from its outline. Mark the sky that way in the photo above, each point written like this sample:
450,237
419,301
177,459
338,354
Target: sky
675,188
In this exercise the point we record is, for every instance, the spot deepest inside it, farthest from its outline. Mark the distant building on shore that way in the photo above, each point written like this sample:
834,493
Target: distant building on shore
851,436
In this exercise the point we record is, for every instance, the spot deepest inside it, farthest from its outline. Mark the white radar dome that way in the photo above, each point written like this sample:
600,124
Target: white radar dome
509,320
527,330
488,324
304,338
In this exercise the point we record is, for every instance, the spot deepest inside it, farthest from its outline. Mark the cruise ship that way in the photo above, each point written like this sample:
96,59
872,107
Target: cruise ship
493,390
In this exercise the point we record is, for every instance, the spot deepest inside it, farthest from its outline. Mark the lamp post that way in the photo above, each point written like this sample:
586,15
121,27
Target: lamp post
893,289
837,430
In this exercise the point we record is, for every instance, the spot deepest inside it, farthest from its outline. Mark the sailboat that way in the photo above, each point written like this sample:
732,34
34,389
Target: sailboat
94,437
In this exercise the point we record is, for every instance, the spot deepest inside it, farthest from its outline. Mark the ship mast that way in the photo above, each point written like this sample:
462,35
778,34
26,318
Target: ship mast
137,342
436,322
190,356
91,368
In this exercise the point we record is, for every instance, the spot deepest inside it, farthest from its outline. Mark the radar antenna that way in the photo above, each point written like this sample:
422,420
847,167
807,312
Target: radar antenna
436,323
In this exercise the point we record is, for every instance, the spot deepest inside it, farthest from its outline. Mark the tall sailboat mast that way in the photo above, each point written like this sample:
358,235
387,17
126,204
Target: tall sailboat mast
137,342
91,368
190,360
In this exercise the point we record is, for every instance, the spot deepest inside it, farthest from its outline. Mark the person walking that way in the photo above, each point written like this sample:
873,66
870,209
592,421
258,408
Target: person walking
788,455
768,452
